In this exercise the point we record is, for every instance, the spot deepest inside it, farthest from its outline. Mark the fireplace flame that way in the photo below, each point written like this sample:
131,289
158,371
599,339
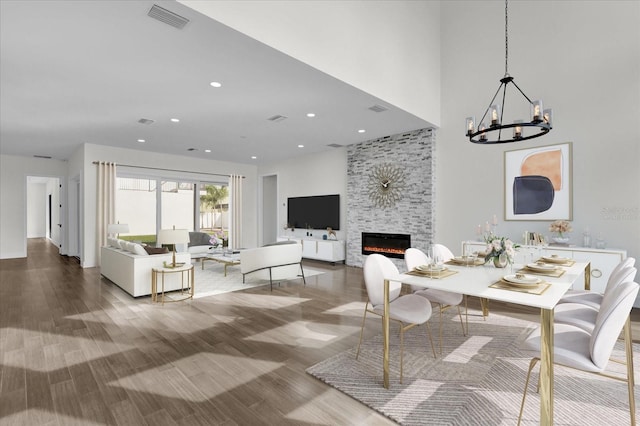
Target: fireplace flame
371,249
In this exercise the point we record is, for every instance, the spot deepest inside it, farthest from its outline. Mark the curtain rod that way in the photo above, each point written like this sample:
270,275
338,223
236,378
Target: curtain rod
169,170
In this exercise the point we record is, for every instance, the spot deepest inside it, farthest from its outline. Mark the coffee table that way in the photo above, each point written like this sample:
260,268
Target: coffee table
227,259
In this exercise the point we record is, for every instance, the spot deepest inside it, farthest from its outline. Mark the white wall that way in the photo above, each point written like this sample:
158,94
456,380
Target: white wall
13,202
36,210
390,49
319,174
583,60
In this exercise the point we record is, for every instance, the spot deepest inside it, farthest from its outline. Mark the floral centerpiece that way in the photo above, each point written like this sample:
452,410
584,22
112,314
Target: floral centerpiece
500,249
219,239
560,227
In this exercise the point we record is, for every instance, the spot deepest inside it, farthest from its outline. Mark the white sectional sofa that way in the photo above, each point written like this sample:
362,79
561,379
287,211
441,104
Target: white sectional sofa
273,262
128,265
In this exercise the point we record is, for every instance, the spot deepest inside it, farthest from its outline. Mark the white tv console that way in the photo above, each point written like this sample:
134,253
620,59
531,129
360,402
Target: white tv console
318,249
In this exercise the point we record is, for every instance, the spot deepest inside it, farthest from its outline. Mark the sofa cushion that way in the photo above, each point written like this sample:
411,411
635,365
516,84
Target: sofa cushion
199,239
156,250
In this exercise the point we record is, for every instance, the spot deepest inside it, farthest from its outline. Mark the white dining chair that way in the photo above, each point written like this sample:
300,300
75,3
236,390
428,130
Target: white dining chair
584,315
592,298
577,348
414,257
409,310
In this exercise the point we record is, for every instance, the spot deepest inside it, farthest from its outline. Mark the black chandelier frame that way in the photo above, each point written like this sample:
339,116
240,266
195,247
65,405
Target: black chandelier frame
540,125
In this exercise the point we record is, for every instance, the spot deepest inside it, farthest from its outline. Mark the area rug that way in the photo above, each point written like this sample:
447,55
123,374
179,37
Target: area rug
211,280
478,379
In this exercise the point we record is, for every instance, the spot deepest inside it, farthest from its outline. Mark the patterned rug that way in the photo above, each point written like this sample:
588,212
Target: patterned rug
211,280
478,379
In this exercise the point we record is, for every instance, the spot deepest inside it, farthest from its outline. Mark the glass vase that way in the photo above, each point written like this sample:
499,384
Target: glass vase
500,261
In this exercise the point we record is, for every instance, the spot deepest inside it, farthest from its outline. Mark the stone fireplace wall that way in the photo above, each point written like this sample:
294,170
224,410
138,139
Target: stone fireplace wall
414,213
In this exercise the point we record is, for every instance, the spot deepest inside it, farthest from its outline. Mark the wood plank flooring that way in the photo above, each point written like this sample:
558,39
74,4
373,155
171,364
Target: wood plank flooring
77,350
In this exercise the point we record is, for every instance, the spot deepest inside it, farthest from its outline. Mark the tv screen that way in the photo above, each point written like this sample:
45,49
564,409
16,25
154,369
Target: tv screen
315,212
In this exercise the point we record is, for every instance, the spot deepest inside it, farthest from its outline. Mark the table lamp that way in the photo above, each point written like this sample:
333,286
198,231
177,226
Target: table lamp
117,228
173,236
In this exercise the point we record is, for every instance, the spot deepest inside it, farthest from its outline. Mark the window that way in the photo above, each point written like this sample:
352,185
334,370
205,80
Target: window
149,204
136,206
176,205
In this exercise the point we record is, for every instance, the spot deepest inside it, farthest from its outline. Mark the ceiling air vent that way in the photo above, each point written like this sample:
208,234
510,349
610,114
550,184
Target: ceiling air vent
48,157
335,145
277,118
145,121
168,17
378,108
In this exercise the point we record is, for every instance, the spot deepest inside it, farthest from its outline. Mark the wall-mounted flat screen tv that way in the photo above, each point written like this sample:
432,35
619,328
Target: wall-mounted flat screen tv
315,212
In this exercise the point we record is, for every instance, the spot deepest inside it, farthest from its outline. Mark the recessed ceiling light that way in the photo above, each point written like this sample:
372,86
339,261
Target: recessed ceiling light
253,157
207,150
175,120
311,115
300,146
141,140
361,131
215,84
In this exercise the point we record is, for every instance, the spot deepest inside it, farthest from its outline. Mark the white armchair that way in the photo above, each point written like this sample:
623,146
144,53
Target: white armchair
273,262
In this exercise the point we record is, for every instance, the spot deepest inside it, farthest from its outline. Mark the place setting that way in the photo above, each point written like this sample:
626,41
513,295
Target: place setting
522,282
471,260
542,268
557,260
432,270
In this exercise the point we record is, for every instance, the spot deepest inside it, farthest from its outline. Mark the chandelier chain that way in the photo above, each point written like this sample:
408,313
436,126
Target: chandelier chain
506,38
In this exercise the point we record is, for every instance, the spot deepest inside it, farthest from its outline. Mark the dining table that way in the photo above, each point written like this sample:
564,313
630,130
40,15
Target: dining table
487,282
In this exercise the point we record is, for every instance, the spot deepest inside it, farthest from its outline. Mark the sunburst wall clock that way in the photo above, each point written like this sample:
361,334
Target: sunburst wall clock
386,185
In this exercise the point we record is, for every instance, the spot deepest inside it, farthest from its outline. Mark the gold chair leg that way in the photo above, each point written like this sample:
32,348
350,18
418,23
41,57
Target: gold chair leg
628,344
532,364
466,313
431,340
461,321
440,329
401,350
364,317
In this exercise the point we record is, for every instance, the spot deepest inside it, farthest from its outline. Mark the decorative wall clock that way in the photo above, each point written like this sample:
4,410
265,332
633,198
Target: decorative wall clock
386,184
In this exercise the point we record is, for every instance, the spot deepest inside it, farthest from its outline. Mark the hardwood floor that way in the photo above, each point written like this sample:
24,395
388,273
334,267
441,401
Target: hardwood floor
75,349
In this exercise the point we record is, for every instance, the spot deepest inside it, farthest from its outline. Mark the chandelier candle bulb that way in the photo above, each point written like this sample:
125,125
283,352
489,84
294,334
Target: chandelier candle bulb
536,110
470,125
517,131
494,113
547,116
482,128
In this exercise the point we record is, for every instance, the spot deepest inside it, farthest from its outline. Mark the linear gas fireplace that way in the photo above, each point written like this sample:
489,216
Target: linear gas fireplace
390,245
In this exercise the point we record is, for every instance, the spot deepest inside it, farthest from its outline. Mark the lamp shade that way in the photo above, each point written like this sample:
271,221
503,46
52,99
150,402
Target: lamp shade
173,236
117,228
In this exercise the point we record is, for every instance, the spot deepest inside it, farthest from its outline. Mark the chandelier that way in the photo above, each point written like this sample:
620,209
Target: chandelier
495,130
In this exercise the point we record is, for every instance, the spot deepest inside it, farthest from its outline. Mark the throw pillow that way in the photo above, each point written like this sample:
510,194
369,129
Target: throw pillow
156,250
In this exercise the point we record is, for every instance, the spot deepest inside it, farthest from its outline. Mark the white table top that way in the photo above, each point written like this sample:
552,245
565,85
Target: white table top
475,281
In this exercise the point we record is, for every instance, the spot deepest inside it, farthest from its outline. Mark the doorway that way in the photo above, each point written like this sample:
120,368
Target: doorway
269,209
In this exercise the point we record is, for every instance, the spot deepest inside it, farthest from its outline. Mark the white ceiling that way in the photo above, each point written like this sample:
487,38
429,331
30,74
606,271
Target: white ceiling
75,72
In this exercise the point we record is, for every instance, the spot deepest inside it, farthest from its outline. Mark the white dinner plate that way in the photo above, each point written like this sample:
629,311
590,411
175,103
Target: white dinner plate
556,259
522,280
430,268
541,267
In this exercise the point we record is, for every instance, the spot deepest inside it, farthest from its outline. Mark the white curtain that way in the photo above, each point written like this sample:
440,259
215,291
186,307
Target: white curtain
106,195
235,187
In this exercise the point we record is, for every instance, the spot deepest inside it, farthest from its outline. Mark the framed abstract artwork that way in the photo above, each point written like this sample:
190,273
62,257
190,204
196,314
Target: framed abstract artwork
537,183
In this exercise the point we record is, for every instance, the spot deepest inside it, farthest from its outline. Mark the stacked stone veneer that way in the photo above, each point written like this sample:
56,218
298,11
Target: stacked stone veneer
414,213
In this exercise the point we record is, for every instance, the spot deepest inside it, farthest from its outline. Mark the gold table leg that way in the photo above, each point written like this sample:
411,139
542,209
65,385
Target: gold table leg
385,336
484,303
587,276
546,367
